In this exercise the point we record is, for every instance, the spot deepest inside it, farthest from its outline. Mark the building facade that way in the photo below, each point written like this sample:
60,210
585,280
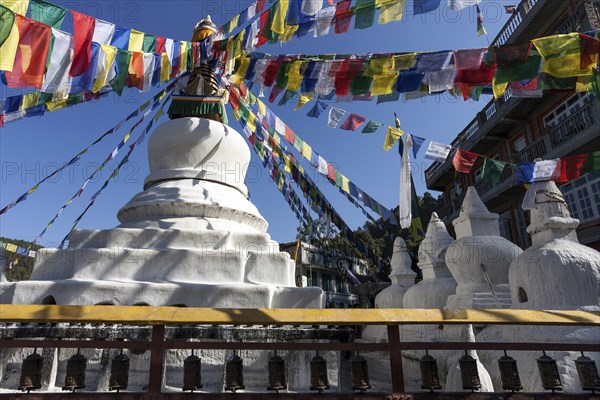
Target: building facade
521,130
335,275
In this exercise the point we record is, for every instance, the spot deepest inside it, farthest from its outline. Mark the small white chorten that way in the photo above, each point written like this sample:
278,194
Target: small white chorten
402,276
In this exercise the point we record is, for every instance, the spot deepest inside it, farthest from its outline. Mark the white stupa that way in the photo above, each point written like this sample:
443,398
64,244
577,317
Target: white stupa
191,238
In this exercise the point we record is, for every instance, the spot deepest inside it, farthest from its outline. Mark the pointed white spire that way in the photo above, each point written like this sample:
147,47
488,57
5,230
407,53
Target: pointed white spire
401,262
475,219
432,249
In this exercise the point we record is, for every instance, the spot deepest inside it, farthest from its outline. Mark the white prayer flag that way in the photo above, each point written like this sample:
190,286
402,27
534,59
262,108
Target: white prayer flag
335,115
106,59
169,47
543,170
251,11
437,151
405,204
460,4
103,32
279,126
325,83
250,43
57,79
148,71
323,21
311,7
322,166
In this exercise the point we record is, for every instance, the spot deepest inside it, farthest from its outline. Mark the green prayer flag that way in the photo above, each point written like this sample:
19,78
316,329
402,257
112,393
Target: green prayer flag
371,127
149,43
338,179
286,97
521,72
7,19
47,13
592,163
386,98
365,14
75,98
118,82
492,170
281,79
549,82
298,143
596,83
360,85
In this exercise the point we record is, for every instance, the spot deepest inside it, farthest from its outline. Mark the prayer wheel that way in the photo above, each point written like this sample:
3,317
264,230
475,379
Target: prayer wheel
119,373
430,378
360,373
234,373
277,380
192,373
75,378
588,373
318,374
549,373
469,373
31,373
509,373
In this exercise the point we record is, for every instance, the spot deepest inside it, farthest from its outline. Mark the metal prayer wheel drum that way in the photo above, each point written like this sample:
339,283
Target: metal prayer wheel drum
277,380
234,373
192,373
469,373
360,373
75,378
588,373
119,373
430,378
509,373
318,374
549,373
31,373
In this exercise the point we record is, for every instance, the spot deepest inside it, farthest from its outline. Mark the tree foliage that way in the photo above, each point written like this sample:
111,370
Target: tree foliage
23,265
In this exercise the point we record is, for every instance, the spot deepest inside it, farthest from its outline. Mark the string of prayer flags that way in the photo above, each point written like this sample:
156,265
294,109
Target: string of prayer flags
353,122
14,248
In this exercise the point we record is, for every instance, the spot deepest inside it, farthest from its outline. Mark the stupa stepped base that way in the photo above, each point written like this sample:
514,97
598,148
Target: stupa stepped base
481,299
87,292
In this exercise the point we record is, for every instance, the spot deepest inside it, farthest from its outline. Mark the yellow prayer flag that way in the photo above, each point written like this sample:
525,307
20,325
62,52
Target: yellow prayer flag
110,53
562,55
30,100
136,40
16,6
391,10
250,122
290,30
280,183
405,61
236,114
165,67
304,98
262,108
383,84
380,66
184,50
288,164
295,76
11,247
499,88
234,22
391,136
306,151
56,105
584,84
345,184
8,51
159,114
278,25
242,69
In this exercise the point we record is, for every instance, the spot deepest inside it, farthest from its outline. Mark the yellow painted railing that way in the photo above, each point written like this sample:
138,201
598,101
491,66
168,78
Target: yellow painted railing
135,315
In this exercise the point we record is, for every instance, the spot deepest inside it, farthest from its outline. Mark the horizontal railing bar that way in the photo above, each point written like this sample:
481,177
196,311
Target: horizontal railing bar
353,346
141,315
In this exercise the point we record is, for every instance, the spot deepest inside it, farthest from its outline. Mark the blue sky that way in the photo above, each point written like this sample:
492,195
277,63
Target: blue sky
32,148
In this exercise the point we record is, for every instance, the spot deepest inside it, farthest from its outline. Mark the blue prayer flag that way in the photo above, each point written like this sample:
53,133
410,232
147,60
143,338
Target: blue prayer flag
417,143
317,109
424,6
525,172
409,81
13,103
121,38
85,81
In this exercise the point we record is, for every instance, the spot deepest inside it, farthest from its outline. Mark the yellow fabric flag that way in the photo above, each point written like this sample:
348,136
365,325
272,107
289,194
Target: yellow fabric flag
165,67
584,84
278,25
391,10
345,184
391,136
110,53
184,51
8,51
250,122
304,98
306,151
295,76
11,247
499,88
562,55
262,109
242,69
383,84
288,164
289,33
234,23
30,100
380,66
405,61
136,40
16,6
56,105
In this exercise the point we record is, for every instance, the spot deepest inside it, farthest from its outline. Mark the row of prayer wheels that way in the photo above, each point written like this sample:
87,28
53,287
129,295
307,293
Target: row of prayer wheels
31,373
509,373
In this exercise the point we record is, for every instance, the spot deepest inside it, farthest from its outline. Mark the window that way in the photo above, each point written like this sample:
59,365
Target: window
506,226
596,193
585,204
520,144
327,283
570,197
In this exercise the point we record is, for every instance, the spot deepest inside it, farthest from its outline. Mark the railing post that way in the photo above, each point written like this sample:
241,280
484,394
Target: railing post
395,359
157,356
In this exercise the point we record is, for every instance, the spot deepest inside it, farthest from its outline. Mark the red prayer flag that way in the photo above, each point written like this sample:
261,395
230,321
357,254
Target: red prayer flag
331,172
160,44
83,32
32,52
569,168
275,91
260,5
271,72
467,78
234,99
353,122
463,161
343,16
590,47
290,136
263,20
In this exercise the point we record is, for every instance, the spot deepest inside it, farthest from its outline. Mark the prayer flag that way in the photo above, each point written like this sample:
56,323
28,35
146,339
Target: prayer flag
122,64
7,19
569,168
317,109
30,58
371,127
405,203
432,62
103,32
562,55
391,10
278,23
302,100
149,45
322,166
323,21
384,84
409,81
311,7
343,15
335,115
417,142
136,40
106,59
424,6
306,151
365,14
437,151
165,67
460,4
83,28
85,81
463,161
492,170
8,50
592,163
353,122
16,6
480,28
525,172
47,13
120,38
391,137
160,44
148,62
544,170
